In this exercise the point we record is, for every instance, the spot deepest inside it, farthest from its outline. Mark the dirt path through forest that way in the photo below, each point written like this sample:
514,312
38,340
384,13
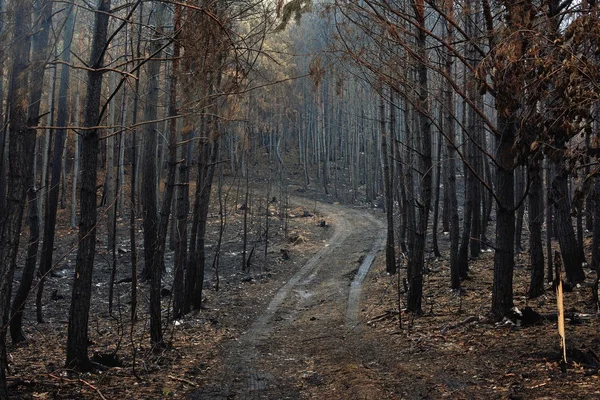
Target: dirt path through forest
316,308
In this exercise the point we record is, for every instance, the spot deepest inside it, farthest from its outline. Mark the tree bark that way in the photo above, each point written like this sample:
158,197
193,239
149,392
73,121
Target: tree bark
3,130
449,125
504,256
390,248
520,192
149,184
181,234
536,218
156,338
59,142
43,13
436,196
569,249
549,217
77,334
20,163
596,228
417,255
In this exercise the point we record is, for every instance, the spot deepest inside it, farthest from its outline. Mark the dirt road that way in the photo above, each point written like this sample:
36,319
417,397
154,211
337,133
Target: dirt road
313,316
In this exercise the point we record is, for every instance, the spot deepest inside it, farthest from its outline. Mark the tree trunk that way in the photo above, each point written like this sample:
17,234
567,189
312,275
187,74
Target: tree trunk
436,196
488,199
76,145
134,176
463,251
417,255
549,219
536,218
43,13
59,143
149,184
520,192
569,249
181,233
596,226
20,163
449,125
504,257
77,337
110,187
156,338
18,304
390,248
206,168
3,118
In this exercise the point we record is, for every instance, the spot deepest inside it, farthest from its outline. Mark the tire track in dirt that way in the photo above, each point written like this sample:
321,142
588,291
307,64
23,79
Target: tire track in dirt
260,327
363,270
323,279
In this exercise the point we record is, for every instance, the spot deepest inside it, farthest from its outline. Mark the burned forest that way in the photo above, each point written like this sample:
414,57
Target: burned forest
299,199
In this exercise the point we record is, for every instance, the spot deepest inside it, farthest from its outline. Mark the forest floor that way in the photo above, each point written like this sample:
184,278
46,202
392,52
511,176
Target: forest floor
303,324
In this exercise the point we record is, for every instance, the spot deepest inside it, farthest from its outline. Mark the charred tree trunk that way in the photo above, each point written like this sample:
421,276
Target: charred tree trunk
463,251
417,255
519,193
43,13
20,163
156,336
536,218
549,220
436,196
181,234
596,230
206,170
21,143
451,209
569,248
390,248
3,118
504,257
150,220
133,178
77,337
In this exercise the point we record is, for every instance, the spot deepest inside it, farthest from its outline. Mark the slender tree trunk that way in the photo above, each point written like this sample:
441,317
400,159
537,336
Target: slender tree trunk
520,192
596,230
110,187
209,158
390,248
417,255
156,338
473,134
43,13
504,257
463,251
536,218
181,232
487,197
3,118
59,143
20,163
77,336
134,176
76,145
436,196
449,126
569,249
18,304
245,223
549,220
149,184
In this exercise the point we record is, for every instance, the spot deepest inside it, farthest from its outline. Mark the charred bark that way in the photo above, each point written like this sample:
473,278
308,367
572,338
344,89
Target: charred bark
77,336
